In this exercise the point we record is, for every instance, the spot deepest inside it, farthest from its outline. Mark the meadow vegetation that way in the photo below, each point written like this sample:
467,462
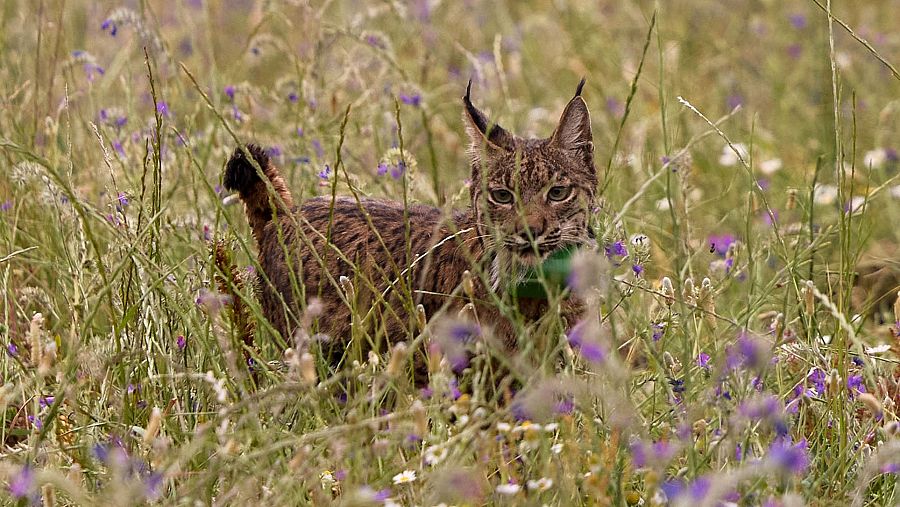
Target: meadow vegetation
748,161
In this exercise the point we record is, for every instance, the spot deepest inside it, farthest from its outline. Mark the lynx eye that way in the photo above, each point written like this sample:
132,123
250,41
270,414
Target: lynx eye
502,196
559,193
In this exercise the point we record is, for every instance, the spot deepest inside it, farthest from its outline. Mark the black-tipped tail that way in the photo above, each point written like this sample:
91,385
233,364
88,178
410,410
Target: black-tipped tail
240,174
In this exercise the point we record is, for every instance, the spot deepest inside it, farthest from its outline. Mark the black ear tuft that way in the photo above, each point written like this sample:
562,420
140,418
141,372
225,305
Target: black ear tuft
240,175
477,116
481,128
580,87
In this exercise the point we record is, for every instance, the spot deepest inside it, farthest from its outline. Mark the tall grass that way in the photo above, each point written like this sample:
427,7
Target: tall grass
749,161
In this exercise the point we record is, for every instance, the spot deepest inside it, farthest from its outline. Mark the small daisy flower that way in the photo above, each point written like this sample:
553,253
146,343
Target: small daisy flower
526,426
771,166
551,427
434,455
503,427
508,488
542,484
556,448
405,477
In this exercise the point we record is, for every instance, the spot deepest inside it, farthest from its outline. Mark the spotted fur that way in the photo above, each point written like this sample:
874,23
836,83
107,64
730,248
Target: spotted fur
368,239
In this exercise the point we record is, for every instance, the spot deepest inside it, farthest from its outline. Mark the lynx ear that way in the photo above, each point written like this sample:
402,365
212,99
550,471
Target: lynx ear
483,134
574,130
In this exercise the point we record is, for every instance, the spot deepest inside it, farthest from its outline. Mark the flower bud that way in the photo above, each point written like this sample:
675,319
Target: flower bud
153,425
421,318
398,360
420,418
668,291
468,285
347,287
308,368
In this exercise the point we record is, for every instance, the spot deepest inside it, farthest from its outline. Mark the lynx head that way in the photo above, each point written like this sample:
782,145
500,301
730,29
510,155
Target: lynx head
532,196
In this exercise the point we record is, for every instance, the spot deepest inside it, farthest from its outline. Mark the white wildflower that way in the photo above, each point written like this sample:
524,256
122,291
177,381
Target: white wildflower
405,477
551,427
856,204
880,349
556,448
730,157
771,166
508,488
825,194
542,484
434,455
503,427
875,159
526,426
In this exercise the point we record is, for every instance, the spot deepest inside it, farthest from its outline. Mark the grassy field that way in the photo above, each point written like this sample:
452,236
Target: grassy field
736,364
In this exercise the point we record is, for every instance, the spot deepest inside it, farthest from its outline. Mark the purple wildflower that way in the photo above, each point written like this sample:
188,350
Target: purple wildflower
564,406
734,100
163,109
122,200
46,401
703,360
890,468
747,352
375,41
36,422
817,377
325,173
293,97
398,170
411,99
22,484
855,383
699,488
317,147
6,205
615,107
616,249
637,269
657,453
12,350
229,92
659,329
798,21
719,243
382,169
454,389
181,342
789,458
110,25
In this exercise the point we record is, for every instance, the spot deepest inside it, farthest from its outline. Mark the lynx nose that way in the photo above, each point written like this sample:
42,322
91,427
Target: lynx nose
532,229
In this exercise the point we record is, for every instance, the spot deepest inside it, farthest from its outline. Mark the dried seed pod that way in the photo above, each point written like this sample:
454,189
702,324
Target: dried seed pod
347,287
872,403
153,425
421,318
668,290
792,199
809,297
420,418
468,285
688,292
397,361
308,368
